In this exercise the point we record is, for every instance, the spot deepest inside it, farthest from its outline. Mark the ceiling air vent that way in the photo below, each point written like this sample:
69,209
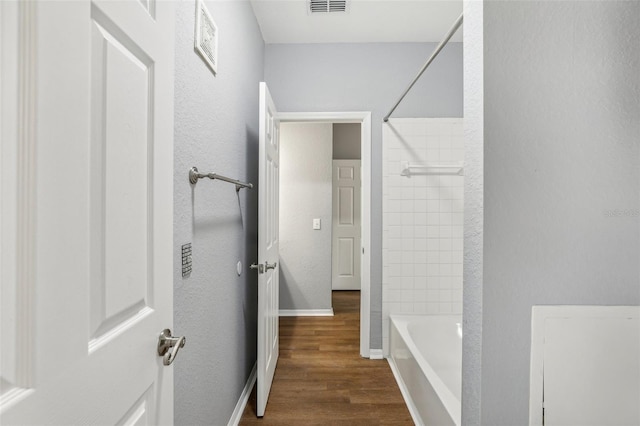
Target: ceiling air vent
323,6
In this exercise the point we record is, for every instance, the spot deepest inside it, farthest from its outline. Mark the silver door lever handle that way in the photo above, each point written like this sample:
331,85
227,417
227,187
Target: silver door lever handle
259,267
268,265
167,342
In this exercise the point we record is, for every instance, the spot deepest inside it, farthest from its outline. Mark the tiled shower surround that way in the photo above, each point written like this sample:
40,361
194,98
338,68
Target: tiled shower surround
422,219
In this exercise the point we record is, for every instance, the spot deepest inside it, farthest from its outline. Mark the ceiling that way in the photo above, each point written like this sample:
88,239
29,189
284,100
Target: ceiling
366,21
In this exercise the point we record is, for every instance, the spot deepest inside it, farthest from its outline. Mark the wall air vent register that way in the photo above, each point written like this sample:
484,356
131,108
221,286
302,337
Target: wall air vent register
206,39
324,6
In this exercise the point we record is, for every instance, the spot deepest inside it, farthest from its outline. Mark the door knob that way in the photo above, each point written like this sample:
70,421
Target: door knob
259,267
169,346
268,265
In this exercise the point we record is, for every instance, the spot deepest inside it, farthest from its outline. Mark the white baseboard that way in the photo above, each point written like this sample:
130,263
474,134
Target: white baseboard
376,354
306,312
244,398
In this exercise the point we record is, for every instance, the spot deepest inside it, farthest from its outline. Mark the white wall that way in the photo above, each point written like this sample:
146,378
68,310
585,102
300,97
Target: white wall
305,194
367,77
216,129
562,176
422,219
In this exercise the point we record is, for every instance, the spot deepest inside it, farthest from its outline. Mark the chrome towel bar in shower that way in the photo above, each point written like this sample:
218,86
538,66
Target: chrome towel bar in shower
194,175
407,168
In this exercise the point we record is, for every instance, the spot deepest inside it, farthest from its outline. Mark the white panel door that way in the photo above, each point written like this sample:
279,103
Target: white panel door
268,242
345,250
87,202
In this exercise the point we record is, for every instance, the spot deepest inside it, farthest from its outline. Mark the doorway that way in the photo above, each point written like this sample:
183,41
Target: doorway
364,120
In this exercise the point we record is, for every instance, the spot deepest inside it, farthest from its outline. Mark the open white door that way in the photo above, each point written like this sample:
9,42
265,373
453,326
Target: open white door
345,238
86,215
268,240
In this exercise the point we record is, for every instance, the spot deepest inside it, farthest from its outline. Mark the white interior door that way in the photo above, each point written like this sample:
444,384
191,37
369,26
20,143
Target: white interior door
268,257
345,250
86,218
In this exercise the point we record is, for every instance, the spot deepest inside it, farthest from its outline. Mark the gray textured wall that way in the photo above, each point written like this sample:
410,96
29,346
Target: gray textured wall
562,152
347,141
473,211
305,194
216,129
366,77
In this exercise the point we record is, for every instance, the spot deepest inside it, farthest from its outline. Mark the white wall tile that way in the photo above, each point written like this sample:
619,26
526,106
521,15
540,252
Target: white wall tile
394,244
420,244
433,205
422,220
433,308
445,308
433,244
421,257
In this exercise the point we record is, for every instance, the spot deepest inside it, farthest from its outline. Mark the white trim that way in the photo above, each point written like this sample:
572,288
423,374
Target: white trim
332,117
27,190
364,118
413,410
306,312
365,208
376,354
18,131
236,416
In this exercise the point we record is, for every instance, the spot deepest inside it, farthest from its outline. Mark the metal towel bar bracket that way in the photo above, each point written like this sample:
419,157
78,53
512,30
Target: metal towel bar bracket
194,175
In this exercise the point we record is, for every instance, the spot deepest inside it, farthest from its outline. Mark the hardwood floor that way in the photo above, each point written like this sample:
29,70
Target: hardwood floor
321,378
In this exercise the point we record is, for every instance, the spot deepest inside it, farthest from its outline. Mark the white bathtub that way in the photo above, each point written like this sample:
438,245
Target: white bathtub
426,359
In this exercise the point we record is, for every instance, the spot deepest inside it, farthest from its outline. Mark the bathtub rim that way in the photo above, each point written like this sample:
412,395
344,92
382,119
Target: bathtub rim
451,403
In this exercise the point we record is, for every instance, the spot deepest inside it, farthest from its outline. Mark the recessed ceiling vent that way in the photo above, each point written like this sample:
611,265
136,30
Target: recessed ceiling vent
324,6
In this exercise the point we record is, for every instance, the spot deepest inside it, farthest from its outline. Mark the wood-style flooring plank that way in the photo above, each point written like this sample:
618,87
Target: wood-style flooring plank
321,378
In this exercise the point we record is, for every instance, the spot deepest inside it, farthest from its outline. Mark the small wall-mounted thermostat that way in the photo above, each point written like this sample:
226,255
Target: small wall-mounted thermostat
206,39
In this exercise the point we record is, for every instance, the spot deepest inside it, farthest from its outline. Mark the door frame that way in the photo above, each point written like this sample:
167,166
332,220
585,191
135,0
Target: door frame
364,119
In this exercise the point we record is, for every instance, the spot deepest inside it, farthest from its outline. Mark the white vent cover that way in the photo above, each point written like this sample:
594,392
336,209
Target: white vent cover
206,40
323,6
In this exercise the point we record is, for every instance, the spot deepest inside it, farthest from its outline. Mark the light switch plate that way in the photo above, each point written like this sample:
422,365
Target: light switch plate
316,224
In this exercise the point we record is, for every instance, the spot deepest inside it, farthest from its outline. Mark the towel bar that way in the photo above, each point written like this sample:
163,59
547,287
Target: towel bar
194,175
